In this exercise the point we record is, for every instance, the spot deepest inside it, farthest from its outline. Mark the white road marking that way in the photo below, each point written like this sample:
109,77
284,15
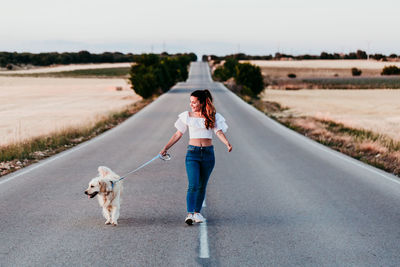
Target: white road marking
203,236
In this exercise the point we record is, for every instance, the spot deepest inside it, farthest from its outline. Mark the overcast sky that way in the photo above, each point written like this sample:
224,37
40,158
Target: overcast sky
202,26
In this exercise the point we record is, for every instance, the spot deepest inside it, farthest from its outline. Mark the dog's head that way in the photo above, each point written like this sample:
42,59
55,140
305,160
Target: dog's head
100,184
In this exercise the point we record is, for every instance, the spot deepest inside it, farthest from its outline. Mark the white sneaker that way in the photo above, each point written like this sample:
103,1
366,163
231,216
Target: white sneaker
198,218
189,219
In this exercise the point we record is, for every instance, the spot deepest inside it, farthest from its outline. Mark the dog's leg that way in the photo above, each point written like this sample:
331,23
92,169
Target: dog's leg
115,215
107,215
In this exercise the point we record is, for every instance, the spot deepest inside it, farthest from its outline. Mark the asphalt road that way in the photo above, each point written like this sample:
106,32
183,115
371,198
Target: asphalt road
278,199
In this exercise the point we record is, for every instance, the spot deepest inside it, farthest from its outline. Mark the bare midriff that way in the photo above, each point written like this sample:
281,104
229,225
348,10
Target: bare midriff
200,142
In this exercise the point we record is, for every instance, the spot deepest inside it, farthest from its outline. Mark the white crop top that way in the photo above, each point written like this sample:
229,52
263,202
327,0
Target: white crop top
197,128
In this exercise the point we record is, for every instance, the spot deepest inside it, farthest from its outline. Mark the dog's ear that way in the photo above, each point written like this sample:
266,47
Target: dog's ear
104,171
103,186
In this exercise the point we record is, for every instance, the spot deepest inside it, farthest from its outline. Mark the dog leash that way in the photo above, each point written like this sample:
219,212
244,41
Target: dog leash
159,156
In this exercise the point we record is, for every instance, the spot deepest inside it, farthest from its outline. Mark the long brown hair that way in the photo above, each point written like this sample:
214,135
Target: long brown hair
207,107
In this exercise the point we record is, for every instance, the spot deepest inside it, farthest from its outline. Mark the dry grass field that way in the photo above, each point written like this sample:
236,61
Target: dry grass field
324,64
375,110
31,107
319,68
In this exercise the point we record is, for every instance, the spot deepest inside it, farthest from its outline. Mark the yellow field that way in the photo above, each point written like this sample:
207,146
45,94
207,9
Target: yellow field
30,107
376,110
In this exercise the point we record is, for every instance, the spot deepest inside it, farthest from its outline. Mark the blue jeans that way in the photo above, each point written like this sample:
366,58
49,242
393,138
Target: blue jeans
200,162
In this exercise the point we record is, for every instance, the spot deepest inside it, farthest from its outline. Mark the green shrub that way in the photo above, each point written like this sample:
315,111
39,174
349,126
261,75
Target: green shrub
247,91
221,74
153,74
143,80
390,70
230,66
356,72
249,76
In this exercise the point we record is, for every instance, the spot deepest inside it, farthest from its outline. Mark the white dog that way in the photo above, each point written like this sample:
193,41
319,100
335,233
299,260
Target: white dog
108,192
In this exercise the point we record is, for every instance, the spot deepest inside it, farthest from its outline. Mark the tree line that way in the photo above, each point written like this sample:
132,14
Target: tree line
46,59
359,54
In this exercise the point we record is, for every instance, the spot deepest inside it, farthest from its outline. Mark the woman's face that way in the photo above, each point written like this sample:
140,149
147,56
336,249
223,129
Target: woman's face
195,104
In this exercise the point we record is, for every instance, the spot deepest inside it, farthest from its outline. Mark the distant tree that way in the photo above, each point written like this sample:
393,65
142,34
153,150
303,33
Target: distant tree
390,70
336,56
84,56
192,57
361,54
351,56
305,57
106,57
278,55
324,55
356,72
378,56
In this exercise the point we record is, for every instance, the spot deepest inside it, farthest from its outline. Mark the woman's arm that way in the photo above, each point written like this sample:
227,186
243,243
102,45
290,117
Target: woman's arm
224,140
175,138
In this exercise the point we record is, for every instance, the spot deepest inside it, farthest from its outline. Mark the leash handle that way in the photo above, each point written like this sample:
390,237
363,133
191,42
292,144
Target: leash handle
166,157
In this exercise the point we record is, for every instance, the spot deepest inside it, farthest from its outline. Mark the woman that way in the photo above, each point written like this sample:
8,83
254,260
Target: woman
201,121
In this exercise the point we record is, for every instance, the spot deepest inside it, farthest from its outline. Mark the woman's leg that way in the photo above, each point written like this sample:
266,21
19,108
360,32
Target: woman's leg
206,167
193,173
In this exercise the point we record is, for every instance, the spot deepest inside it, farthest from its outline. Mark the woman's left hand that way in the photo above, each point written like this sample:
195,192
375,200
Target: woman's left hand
163,152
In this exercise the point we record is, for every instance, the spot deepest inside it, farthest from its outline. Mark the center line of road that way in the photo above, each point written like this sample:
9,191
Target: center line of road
203,238
204,250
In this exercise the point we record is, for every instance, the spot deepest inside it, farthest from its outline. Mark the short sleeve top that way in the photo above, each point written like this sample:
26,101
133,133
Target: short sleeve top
197,127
